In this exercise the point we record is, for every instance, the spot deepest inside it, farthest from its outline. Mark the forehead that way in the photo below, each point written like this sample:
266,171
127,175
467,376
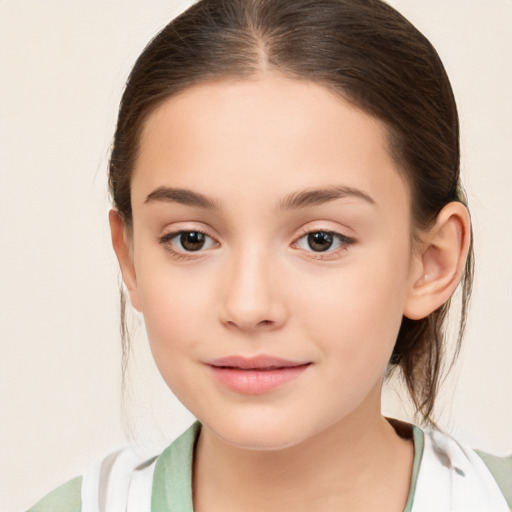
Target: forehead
268,134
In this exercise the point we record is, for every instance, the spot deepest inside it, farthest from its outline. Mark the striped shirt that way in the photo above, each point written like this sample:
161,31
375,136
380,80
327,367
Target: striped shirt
446,477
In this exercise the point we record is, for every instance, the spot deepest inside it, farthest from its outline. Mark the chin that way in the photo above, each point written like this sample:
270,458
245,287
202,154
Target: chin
259,434
268,440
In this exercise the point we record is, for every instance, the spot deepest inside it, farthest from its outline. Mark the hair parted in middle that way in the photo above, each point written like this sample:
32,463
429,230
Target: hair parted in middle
363,50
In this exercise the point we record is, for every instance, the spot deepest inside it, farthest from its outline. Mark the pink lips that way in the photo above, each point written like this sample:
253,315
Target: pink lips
255,375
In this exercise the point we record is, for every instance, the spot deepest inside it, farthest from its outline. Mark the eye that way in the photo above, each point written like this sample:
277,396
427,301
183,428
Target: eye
187,241
323,241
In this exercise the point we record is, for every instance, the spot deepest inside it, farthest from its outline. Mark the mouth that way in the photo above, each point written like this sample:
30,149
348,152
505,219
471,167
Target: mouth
256,375
261,363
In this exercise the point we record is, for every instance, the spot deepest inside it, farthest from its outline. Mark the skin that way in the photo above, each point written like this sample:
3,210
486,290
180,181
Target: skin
258,287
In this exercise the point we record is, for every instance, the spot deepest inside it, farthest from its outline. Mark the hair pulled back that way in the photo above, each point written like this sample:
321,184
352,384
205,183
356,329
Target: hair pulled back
365,51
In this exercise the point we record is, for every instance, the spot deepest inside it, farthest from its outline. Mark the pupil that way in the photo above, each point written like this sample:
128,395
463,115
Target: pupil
320,241
192,240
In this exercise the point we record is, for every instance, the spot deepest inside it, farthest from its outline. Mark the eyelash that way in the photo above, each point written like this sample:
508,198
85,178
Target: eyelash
343,240
166,241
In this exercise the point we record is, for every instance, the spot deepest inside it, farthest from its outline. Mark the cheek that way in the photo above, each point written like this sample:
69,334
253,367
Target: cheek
356,315
177,311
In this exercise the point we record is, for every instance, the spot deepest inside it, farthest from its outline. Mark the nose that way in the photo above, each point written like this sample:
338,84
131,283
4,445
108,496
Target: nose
252,293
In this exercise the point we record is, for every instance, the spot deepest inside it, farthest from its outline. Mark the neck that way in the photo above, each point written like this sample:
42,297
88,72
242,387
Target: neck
357,464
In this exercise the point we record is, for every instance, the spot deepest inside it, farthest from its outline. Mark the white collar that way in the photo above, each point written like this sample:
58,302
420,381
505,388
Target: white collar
453,478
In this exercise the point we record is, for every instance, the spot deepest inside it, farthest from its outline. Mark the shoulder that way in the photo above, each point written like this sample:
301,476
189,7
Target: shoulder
501,470
104,487
124,481
66,498
461,477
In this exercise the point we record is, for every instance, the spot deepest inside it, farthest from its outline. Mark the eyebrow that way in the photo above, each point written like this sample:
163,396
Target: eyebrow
182,196
317,196
293,201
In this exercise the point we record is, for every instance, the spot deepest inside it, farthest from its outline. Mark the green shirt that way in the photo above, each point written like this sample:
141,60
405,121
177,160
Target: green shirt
172,481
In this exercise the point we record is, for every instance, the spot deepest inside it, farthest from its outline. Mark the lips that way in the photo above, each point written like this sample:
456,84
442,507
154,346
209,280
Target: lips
255,375
254,363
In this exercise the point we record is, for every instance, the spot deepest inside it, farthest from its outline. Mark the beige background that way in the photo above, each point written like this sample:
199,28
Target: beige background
63,64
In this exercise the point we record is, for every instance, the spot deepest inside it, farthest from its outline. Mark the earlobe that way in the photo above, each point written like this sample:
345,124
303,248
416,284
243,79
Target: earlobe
439,262
121,246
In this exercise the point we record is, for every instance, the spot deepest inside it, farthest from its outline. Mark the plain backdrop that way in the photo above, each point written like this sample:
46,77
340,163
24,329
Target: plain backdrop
63,66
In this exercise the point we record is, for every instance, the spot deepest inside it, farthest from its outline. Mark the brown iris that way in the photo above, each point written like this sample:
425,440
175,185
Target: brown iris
192,240
320,241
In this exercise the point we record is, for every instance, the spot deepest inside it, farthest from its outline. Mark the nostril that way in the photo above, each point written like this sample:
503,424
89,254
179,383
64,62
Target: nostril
262,324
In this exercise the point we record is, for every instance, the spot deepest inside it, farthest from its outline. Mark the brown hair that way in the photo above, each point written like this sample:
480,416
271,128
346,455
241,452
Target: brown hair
365,51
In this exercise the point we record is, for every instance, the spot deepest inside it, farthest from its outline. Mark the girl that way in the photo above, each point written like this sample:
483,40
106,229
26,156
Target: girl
288,218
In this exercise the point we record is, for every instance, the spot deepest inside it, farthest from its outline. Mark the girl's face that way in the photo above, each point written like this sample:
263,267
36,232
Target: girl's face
272,256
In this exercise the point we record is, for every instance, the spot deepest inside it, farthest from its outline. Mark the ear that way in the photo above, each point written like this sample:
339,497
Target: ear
121,245
439,261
